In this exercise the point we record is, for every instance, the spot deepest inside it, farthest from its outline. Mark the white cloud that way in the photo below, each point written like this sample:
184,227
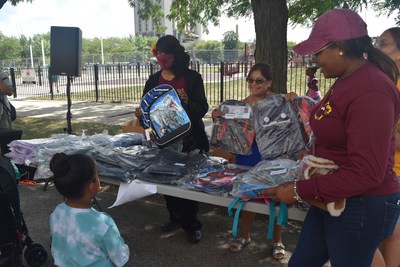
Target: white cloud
96,18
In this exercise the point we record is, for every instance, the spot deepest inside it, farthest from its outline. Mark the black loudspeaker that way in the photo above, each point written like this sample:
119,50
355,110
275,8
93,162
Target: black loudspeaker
65,51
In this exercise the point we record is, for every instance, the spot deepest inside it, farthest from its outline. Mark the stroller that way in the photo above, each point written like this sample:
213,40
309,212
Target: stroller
14,238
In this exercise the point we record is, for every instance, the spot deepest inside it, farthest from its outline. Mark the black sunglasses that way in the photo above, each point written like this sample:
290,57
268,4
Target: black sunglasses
258,81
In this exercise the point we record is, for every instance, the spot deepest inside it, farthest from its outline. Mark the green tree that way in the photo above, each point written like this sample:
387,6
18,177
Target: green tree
24,46
209,51
9,47
36,43
91,46
142,47
231,44
230,40
270,20
150,10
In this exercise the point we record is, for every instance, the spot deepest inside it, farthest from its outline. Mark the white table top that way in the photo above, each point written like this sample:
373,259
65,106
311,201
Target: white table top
254,206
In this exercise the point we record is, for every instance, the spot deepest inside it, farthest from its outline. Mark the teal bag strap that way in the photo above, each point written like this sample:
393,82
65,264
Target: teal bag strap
237,213
281,220
270,232
233,203
283,215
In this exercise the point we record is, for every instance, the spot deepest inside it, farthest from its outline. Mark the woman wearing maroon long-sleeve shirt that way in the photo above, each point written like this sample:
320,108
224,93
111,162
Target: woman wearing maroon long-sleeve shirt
353,126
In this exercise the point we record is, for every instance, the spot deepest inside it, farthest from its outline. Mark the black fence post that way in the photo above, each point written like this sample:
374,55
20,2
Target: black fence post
96,81
50,77
14,84
39,73
222,72
138,69
151,69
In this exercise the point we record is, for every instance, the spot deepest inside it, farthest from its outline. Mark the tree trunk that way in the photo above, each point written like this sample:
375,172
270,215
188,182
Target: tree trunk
270,20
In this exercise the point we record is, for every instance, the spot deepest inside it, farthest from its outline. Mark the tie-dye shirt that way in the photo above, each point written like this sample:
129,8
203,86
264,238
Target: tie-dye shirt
85,237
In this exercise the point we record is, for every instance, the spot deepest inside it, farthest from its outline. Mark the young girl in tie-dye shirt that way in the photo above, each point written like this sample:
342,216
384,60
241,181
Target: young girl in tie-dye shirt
82,236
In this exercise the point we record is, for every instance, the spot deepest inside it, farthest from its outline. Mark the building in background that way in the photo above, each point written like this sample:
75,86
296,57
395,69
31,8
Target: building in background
146,27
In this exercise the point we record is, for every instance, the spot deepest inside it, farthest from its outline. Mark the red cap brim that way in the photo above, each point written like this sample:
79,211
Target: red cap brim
309,46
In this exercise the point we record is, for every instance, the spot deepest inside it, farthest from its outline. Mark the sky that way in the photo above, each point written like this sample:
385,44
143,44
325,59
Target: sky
105,18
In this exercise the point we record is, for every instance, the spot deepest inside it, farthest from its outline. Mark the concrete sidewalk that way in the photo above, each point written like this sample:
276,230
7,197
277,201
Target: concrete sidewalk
107,113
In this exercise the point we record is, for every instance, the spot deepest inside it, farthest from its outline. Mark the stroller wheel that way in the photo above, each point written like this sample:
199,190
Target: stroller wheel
29,248
35,255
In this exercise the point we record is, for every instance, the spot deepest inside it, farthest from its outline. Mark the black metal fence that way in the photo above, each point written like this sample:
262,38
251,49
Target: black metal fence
125,82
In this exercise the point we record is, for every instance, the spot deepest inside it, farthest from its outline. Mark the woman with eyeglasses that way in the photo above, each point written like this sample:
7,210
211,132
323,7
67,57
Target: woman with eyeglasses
259,82
388,253
353,126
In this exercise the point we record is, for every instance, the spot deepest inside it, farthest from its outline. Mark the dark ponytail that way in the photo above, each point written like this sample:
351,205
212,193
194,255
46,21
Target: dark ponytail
384,63
362,47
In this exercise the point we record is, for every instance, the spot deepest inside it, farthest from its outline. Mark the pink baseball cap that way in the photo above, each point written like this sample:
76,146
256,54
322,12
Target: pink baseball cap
333,25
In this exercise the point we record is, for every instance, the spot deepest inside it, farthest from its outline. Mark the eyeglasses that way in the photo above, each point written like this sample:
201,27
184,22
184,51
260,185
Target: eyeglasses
381,44
258,81
317,53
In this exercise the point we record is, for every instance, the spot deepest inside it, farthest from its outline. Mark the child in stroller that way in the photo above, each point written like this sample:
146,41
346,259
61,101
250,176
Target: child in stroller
14,238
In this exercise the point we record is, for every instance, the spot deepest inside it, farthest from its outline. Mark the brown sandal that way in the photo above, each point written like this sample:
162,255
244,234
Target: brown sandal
239,244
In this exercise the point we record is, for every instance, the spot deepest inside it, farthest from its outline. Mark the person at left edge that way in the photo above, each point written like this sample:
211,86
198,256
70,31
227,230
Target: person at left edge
174,63
5,90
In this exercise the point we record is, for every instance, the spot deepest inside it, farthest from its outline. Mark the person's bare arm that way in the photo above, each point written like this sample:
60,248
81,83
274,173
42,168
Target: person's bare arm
5,88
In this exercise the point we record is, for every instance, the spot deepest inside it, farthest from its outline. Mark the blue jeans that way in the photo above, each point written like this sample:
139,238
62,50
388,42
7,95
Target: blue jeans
350,239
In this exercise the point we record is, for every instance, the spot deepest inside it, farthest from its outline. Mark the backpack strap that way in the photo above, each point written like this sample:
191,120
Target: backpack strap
283,215
237,213
270,232
281,220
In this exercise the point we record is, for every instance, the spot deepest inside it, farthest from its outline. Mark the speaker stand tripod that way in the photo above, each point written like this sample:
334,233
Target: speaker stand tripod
69,127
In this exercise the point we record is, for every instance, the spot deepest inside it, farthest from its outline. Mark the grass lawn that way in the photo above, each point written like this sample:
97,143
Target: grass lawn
43,128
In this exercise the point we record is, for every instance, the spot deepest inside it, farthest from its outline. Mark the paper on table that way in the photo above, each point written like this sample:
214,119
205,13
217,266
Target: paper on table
132,191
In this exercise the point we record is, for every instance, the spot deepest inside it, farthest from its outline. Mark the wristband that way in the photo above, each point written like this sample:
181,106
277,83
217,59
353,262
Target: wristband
296,194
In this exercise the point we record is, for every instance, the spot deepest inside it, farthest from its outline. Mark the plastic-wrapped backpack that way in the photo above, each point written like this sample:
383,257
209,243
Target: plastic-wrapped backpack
278,127
164,115
234,132
265,174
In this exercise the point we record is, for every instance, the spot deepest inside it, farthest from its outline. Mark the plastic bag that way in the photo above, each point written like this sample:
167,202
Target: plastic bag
278,127
304,105
235,131
213,178
265,174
